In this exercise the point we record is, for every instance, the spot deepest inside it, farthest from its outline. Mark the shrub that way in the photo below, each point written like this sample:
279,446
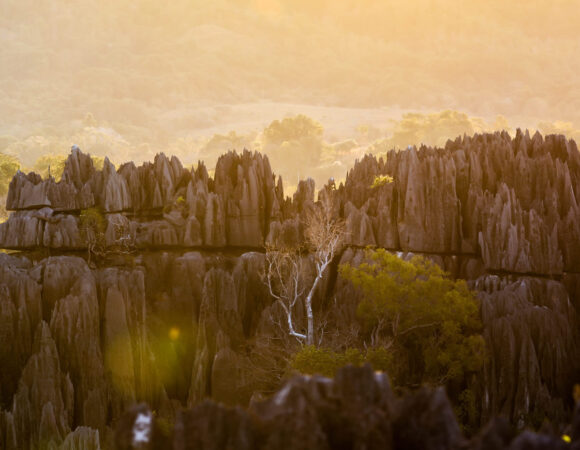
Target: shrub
312,360
429,320
50,163
8,167
381,180
291,129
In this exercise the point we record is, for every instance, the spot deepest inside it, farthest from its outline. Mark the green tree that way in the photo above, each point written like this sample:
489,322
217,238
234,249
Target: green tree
381,180
292,129
313,360
294,143
8,167
429,321
98,162
50,163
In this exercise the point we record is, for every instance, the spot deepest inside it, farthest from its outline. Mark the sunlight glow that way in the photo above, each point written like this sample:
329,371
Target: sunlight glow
174,333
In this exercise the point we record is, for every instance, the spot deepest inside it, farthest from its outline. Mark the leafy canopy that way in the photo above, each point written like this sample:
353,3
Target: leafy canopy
414,308
292,129
381,180
313,360
8,167
52,162
56,164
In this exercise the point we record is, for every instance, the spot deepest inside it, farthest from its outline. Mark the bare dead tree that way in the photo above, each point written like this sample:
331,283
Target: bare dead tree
92,225
124,237
324,233
286,273
284,279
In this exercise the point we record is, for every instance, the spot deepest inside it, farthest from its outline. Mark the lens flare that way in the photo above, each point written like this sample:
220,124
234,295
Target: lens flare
174,333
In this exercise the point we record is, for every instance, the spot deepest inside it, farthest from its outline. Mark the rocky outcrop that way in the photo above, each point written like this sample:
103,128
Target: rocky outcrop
356,409
219,329
531,329
75,350
531,332
43,406
73,192
174,311
69,288
159,204
173,326
245,184
511,201
516,240
82,437
21,304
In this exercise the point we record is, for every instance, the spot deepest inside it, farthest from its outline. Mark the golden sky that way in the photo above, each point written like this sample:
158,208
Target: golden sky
156,71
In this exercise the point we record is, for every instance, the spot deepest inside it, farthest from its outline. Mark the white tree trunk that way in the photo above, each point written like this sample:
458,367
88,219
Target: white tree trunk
308,304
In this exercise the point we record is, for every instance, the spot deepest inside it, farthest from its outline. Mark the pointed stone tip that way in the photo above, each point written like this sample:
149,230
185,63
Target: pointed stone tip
44,330
42,336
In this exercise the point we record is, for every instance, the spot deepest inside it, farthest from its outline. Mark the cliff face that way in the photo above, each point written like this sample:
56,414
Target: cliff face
510,202
173,322
162,204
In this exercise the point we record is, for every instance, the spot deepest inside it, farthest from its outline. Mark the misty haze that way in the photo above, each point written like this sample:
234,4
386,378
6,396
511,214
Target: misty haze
289,224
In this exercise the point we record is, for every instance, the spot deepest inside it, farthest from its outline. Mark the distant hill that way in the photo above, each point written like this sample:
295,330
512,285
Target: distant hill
155,73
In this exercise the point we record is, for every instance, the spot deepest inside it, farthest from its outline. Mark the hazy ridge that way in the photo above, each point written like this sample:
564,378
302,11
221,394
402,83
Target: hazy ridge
168,77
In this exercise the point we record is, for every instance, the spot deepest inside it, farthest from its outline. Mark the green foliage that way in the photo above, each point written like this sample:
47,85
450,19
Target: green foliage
380,358
8,167
179,204
57,162
292,129
433,128
93,219
98,162
381,180
427,317
312,360
295,144
467,411
50,161
322,361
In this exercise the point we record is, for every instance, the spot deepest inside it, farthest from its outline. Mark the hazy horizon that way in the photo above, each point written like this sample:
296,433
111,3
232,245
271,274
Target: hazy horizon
130,79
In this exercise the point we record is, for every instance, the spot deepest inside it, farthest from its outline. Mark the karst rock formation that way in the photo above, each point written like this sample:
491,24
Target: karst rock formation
168,315
357,409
